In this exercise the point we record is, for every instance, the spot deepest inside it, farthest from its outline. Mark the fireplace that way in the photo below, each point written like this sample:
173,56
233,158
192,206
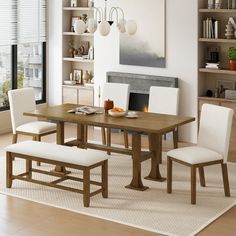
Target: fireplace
140,85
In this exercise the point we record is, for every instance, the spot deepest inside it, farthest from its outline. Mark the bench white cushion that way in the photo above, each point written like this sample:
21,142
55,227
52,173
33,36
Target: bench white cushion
51,151
37,127
195,155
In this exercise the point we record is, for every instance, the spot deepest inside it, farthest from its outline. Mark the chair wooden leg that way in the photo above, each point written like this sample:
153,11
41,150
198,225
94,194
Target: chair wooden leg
86,187
193,185
103,136
105,179
225,179
202,177
175,138
108,140
9,170
169,175
126,139
37,138
14,138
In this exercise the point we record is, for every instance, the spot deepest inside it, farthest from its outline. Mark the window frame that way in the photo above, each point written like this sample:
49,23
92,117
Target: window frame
14,73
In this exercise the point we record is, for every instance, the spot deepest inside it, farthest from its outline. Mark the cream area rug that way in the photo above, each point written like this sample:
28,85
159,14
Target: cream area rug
153,209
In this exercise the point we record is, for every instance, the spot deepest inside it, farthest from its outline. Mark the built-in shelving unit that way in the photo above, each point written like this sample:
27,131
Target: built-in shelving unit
83,91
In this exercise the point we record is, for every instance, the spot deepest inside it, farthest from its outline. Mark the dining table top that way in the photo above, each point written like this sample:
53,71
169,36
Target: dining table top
146,122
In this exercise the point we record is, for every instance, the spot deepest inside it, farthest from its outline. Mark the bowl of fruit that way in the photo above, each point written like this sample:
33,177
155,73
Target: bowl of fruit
117,112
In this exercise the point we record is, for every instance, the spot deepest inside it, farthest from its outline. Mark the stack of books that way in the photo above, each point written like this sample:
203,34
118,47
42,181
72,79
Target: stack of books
212,66
210,28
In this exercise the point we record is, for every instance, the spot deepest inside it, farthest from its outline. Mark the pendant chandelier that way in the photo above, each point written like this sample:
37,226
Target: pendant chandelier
103,21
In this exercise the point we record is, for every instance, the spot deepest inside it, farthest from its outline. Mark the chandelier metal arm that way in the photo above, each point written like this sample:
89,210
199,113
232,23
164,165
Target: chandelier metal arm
115,9
99,12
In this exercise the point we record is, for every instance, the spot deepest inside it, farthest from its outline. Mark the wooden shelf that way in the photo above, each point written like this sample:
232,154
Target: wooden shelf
216,71
77,60
216,99
74,34
78,86
218,10
219,40
78,8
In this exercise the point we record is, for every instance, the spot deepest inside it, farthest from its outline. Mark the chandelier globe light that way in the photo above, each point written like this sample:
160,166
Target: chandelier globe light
103,22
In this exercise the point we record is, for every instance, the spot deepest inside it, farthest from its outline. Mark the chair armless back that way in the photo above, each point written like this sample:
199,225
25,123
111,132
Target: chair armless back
118,93
21,100
215,128
164,100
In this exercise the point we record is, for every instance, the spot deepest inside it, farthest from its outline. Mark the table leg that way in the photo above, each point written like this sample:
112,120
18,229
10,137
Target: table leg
136,182
82,135
155,147
60,140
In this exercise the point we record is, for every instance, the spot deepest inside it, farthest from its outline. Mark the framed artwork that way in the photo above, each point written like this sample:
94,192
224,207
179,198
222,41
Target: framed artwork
147,46
77,76
85,47
73,20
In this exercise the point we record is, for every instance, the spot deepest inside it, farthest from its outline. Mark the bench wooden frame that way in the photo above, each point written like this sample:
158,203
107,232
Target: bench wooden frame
27,176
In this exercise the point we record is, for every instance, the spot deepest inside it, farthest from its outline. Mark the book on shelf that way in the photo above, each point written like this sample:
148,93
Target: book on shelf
210,28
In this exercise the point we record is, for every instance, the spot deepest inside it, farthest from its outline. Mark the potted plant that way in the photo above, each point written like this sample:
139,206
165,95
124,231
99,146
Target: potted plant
232,58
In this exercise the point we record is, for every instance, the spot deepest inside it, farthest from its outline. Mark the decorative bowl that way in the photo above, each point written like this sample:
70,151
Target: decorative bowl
117,113
69,82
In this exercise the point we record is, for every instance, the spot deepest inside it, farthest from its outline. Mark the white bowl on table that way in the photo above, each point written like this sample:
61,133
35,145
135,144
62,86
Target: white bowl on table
116,113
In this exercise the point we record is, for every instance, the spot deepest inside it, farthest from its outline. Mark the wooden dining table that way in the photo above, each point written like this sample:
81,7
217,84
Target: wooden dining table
152,124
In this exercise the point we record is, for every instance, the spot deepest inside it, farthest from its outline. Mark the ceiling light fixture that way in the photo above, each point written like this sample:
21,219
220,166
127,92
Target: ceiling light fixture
103,22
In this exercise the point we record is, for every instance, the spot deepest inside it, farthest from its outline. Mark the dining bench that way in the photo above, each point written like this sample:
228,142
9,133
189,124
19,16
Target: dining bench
70,157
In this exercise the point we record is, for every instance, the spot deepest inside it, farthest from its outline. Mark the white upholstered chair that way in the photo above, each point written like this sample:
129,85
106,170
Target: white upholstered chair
164,100
23,100
119,94
212,148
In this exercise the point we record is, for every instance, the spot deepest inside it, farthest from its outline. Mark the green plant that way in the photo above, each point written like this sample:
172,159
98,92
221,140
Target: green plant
232,53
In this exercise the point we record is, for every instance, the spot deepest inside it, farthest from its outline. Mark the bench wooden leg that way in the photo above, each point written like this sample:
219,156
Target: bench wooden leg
108,140
105,179
86,187
9,170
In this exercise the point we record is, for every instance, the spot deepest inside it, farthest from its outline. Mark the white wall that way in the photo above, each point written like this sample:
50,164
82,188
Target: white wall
181,55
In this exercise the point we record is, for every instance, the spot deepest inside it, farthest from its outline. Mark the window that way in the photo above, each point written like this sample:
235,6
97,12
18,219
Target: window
22,48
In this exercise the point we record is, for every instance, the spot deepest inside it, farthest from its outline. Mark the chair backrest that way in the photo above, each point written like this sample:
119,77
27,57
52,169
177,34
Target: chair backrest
21,100
118,93
163,100
215,128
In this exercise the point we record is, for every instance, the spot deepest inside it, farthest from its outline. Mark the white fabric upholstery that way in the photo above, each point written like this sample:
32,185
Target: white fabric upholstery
194,155
213,139
73,155
23,100
37,127
164,100
118,93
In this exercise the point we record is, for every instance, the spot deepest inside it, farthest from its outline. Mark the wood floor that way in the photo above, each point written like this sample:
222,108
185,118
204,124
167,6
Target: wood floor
25,218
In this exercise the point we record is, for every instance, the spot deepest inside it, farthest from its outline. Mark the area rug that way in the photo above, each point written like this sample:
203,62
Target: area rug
153,210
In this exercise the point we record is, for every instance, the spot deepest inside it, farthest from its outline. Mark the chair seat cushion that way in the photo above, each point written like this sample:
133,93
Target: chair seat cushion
37,127
194,155
52,151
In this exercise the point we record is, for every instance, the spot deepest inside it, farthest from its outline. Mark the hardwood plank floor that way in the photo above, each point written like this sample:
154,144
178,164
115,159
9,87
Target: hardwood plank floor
20,217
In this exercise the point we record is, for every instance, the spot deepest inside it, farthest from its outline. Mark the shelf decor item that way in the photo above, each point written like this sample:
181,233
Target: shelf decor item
104,22
229,31
232,58
210,4
218,4
73,3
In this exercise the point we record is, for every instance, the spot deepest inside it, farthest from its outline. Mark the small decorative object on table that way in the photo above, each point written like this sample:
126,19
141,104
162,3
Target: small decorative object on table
232,58
117,112
73,3
108,104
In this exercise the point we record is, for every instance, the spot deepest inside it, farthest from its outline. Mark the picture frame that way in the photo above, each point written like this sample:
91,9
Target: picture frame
73,20
85,47
77,76
223,85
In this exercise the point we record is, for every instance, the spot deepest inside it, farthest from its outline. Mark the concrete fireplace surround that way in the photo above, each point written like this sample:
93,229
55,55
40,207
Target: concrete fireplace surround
141,83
